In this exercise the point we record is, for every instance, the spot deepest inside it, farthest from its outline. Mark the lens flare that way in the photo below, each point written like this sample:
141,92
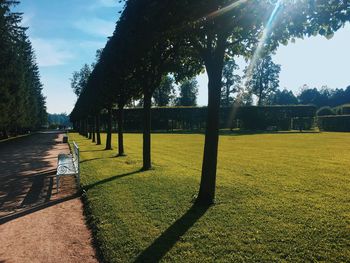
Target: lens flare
225,9
262,41
257,54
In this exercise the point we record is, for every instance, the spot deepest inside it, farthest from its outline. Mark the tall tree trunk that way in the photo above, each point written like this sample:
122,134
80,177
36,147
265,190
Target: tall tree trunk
214,66
80,127
109,130
98,133
227,96
120,130
260,98
87,128
5,134
260,91
93,129
147,131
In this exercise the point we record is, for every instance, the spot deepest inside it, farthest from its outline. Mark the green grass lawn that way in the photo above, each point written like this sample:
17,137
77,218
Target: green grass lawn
280,198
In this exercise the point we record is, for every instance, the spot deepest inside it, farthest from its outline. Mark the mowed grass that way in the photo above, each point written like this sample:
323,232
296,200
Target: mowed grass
280,198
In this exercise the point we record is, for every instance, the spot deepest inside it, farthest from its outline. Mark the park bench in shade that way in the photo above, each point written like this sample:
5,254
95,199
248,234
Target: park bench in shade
68,164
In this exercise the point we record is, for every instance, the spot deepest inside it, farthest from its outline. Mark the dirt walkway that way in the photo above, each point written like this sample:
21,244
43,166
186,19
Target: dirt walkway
36,224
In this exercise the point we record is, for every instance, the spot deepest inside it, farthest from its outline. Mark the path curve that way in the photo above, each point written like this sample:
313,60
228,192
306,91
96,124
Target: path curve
36,224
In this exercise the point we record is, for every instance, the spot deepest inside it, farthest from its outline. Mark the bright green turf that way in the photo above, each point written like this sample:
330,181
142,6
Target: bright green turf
280,197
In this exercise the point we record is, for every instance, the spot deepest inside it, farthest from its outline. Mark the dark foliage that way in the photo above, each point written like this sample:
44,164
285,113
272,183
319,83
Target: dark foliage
194,118
334,123
22,104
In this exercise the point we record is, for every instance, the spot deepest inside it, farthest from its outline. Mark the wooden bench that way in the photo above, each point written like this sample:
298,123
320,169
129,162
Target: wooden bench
68,164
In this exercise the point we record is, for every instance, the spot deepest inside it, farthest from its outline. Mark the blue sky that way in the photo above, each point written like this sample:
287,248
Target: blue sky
66,34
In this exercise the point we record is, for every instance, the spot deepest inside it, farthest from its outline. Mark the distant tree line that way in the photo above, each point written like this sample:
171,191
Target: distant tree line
59,120
22,104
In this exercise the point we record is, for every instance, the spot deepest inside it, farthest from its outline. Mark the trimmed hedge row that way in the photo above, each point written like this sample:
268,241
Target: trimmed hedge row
281,117
340,123
193,118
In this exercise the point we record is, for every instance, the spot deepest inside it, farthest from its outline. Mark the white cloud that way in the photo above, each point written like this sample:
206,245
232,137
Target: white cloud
53,52
95,26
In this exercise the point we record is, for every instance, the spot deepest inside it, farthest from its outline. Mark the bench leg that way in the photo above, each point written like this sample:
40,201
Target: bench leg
78,180
57,182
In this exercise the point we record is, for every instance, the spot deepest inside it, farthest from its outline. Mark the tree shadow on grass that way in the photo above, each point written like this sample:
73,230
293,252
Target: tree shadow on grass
97,150
109,179
158,249
90,160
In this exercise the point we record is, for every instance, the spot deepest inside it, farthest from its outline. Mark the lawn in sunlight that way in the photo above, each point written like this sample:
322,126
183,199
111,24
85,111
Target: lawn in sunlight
280,197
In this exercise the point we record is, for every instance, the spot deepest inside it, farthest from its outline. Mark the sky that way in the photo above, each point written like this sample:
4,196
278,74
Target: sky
65,34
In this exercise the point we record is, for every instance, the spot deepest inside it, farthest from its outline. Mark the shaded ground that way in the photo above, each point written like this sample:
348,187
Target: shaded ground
36,224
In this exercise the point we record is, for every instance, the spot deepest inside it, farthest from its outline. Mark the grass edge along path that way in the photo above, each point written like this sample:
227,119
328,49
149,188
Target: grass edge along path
281,197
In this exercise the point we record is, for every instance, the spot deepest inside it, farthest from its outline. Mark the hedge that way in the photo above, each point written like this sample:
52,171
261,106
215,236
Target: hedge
194,118
340,123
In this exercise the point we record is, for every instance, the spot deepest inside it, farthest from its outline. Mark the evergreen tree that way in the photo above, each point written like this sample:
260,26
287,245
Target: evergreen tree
22,104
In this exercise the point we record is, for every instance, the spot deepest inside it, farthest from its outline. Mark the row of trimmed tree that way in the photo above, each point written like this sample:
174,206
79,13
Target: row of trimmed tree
22,104
155,38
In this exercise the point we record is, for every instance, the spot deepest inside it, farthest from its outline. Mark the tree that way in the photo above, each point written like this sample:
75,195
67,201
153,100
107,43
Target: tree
159,55
263,80
234,28
309,96
284,97
164,94
230,82
80,79
22,104
188,93
244,98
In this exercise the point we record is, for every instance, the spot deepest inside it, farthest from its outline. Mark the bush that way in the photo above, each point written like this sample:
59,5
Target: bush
340,123
325,111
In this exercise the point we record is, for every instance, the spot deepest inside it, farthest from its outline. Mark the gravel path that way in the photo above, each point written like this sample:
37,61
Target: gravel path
36,224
